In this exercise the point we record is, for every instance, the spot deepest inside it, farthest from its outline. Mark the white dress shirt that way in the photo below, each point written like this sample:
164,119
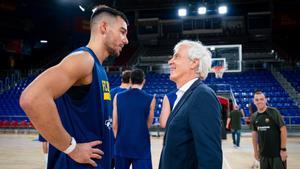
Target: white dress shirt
182,90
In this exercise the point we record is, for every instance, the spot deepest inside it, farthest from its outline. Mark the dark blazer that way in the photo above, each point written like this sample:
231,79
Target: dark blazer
193,134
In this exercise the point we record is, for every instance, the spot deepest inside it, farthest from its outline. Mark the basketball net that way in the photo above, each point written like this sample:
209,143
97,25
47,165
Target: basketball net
219,71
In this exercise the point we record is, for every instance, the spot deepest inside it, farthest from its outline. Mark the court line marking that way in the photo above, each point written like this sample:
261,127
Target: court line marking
226,163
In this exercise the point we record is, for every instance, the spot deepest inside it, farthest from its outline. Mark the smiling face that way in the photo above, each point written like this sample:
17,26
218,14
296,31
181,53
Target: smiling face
182,69
116,36
260,102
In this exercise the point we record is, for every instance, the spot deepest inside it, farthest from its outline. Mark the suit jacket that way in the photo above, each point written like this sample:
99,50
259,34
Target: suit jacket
193,134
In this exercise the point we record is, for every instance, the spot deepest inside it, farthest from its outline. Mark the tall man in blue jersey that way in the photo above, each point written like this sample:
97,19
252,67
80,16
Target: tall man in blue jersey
125,84
132,116
69,104
193,134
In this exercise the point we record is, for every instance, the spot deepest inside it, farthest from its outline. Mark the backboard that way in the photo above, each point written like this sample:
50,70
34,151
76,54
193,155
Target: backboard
229,56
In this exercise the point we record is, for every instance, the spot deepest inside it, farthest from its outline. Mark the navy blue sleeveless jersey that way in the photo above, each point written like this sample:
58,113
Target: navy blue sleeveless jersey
172,97
133,139
113,92
116,90
87,119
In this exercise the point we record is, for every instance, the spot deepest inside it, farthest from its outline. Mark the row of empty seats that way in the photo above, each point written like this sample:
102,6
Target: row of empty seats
15,124
241,84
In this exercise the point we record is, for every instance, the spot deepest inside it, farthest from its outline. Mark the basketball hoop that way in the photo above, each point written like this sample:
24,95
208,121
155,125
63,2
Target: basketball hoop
219,71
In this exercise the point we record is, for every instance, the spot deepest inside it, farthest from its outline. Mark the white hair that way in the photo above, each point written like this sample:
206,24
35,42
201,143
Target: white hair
197,51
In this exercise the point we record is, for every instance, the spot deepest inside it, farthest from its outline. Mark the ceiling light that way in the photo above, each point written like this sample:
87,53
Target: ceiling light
182,12
81,8
202,10
222,9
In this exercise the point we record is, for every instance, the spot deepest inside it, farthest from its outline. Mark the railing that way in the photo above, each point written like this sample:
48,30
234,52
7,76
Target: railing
10,81
13,117
292,121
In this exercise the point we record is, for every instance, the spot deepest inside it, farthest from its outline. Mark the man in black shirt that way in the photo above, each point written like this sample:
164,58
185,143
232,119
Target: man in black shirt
268,127
234,120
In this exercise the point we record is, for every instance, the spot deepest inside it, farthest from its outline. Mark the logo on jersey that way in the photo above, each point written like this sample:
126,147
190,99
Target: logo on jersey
267,120
106,91
108,123
263,128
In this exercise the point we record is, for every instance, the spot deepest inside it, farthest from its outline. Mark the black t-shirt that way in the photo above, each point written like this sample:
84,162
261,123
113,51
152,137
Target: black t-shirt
235,116
267,125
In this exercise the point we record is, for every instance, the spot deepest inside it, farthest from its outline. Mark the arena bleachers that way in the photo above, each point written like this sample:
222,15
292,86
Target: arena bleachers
11,114
242,85
293,76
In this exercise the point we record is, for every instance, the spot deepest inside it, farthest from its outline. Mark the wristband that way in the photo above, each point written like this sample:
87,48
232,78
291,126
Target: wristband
283,149
71,147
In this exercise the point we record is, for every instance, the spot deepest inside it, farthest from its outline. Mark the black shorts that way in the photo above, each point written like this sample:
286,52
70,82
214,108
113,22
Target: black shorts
272,163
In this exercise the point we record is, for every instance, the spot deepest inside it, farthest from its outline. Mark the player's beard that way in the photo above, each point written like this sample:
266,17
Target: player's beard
109,46
112,52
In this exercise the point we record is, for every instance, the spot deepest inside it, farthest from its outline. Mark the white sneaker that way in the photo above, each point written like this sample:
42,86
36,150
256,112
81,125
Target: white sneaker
255,164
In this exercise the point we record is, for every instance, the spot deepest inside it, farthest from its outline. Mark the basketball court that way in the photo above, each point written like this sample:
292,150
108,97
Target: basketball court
250,44
20,151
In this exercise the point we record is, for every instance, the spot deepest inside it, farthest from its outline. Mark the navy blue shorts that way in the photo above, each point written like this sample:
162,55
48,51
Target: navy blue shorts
124,163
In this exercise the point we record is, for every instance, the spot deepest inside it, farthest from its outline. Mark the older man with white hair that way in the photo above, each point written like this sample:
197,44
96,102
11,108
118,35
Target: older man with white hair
193,134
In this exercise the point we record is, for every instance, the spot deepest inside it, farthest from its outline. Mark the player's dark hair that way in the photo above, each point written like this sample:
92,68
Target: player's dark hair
125,77
108,10
137,76
258,91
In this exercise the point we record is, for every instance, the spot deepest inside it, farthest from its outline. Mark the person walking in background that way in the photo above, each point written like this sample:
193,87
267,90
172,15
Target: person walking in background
167,107
193,134
132,116
269,128
69,104
234,123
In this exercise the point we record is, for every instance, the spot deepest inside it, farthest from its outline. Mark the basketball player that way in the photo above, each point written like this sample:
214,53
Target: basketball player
69,103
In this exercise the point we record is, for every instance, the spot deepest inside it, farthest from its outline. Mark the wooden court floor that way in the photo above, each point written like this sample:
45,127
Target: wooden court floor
20,151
